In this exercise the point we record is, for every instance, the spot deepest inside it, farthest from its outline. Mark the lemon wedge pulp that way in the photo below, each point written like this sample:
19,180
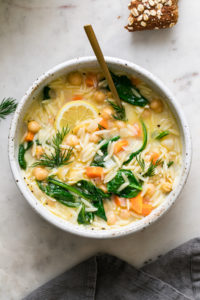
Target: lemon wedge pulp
73,113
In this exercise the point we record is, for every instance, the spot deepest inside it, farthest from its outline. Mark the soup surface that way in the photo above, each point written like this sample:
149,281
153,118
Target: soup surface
91,162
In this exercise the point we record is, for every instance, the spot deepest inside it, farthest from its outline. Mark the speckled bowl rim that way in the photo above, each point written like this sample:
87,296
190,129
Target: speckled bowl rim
82,230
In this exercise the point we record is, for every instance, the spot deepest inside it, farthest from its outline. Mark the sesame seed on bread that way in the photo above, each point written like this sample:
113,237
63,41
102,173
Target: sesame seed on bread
152,14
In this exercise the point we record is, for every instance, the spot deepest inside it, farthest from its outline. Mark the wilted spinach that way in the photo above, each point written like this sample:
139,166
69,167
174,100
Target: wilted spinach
128,92
21,154
132,190
98,160
145,138
85,217
86,190
58,193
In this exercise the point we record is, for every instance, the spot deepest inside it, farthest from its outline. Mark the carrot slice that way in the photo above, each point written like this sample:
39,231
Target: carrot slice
154,157
146,209
120,201
93,172
137,131
91,80
120,145
29,137
77,97
137,204
104,124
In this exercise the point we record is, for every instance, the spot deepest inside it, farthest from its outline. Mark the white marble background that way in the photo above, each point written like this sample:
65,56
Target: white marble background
34,36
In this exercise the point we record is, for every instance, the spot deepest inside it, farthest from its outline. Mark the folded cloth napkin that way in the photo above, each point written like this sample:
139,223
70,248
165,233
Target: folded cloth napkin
175,275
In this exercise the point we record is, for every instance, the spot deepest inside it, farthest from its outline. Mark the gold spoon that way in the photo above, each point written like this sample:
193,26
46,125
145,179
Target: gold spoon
99,55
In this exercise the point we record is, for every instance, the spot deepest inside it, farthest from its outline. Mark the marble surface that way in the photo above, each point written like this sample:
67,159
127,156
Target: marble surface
36,35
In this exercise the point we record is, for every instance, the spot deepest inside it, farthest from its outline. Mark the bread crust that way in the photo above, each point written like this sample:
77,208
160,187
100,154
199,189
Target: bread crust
152,14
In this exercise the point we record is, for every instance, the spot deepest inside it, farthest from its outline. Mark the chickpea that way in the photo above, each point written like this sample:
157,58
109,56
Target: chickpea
33,126
99,96
157,105
39,151
75,78
167,187
125,214
120,124
146,113
168,143
40,173
71,140
94,138
150,190
111,218
107,113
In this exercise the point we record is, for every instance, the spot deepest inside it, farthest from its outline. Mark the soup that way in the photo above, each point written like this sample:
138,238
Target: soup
94,163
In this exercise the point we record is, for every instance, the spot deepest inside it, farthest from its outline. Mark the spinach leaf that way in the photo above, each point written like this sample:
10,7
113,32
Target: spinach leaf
86,190
100,210
58,193
132,190
90,191
145,138
21,154
46,93
170,163
162,134
98,160
85,217
127,92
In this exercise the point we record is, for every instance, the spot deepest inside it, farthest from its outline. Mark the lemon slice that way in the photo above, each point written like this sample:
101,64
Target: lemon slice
73,113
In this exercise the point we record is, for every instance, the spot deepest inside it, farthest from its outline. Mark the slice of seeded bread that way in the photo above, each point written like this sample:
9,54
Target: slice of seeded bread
152,14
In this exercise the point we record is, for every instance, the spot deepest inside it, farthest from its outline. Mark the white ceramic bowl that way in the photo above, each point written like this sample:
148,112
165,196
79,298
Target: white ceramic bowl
114,64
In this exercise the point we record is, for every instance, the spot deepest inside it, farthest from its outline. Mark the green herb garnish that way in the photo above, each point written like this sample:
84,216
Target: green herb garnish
58,157
86,190
170,164
120,113
151,169
132,190
162,134
145,138
58,193
98,160
127,92
7,106
141,162
85,217
46,93
21,154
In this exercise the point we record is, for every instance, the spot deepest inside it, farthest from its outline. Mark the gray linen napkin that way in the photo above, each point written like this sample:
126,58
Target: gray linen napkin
174,276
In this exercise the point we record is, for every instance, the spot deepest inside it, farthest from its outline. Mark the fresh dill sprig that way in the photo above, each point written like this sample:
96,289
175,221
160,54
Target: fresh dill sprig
7,106
120,113
58,157
141,162
151,169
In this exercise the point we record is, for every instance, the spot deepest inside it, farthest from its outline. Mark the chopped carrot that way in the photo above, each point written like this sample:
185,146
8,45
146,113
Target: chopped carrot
137,204
104,124
137,131
93,172
135,81
120,145
77,97
29,137
91,80
146,209
120,201
154,157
